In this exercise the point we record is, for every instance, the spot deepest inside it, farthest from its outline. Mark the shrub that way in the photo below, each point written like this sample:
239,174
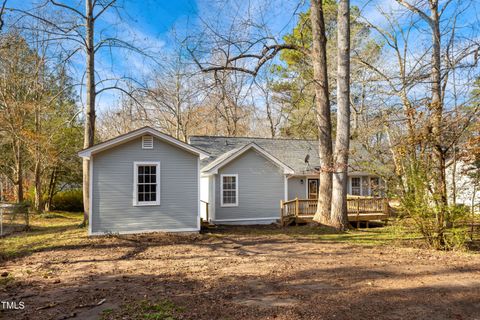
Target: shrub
69,200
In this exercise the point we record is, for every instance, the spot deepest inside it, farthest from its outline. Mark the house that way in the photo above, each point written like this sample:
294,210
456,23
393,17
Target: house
463,182
144,181
244,179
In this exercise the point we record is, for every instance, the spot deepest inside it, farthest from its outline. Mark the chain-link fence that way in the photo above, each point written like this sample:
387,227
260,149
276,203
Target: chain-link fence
13,218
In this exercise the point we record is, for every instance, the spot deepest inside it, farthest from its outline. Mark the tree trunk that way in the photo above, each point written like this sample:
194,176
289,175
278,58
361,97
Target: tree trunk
90,109
322,106
51,189
437,114
339,215
38,201
38,197
18,172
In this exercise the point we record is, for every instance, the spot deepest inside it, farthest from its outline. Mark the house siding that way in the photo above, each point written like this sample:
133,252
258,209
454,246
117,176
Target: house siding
112,203
296,189
260,188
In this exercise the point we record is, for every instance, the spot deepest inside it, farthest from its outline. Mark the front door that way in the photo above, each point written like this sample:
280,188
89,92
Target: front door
312,185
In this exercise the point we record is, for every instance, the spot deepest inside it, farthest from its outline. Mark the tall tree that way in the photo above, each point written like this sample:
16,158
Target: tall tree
339,215
77,26
435,106
322,103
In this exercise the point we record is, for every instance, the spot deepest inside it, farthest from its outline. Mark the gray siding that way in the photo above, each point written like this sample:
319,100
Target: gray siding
260,188
297,189
112,203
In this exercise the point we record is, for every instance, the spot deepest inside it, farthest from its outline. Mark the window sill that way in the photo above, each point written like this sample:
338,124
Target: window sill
229,205
147,204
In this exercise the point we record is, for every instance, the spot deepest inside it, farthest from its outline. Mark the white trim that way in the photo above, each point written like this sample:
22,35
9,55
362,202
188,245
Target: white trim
248,219
305,181
236,190
138,133
285,187
90,195
214,203
137,203
146,231
198,194
147,147
214,166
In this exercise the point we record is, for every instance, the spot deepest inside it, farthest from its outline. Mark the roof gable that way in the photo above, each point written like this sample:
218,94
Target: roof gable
233,154
87,153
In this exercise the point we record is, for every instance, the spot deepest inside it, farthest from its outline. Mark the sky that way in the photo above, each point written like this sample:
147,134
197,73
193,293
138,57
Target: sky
149,26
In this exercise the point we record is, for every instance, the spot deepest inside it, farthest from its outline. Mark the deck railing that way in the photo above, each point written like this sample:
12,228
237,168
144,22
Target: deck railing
355,205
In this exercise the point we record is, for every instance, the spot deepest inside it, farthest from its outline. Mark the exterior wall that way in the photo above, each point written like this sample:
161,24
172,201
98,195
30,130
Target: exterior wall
296,189
260,189
112,190
467,192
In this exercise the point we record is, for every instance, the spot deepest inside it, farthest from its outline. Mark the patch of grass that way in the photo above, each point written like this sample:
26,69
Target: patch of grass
144,309
397,232
45,233
5,281
106,313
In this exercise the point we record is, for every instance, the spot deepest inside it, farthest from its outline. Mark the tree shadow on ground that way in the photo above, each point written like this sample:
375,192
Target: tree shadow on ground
315,293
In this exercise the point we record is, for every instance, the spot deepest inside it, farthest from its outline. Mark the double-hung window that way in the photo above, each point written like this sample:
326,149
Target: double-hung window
146,183
229,190
356,187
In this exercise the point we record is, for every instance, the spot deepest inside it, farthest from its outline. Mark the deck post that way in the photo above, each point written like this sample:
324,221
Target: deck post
206,211
281,211
358,213
297,207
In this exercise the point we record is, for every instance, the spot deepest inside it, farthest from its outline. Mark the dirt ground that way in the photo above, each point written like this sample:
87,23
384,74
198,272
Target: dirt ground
232,275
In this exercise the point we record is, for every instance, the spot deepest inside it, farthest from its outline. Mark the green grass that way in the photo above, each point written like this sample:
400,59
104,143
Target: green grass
47,232
372,236
55,230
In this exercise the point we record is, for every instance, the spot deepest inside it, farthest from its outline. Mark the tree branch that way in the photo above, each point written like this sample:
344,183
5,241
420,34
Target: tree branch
62,5
416,10
268,53
103,9
2,11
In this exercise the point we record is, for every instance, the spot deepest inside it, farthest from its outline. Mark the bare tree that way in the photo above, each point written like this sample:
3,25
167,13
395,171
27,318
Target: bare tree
78,29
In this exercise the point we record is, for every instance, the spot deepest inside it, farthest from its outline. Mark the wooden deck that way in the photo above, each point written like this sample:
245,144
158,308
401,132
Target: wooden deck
360,209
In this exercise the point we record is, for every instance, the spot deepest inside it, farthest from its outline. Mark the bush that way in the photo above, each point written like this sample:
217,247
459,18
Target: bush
69,200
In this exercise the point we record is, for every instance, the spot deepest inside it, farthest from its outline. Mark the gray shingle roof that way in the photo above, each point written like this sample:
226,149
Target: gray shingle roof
292,152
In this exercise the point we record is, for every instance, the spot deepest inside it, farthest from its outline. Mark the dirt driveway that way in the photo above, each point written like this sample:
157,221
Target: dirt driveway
236,276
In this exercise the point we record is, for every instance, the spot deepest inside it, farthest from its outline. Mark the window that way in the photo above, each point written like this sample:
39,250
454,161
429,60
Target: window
375,186
147,142
147,183
229,190
356,189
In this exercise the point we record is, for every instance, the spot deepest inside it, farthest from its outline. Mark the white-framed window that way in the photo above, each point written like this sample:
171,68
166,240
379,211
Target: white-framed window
356,186
146,183
147,142
229,190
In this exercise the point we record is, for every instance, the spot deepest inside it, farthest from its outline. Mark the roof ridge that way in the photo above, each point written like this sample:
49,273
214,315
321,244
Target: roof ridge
243,137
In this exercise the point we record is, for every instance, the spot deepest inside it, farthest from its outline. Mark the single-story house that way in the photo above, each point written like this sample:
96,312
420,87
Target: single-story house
144,181
244,179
